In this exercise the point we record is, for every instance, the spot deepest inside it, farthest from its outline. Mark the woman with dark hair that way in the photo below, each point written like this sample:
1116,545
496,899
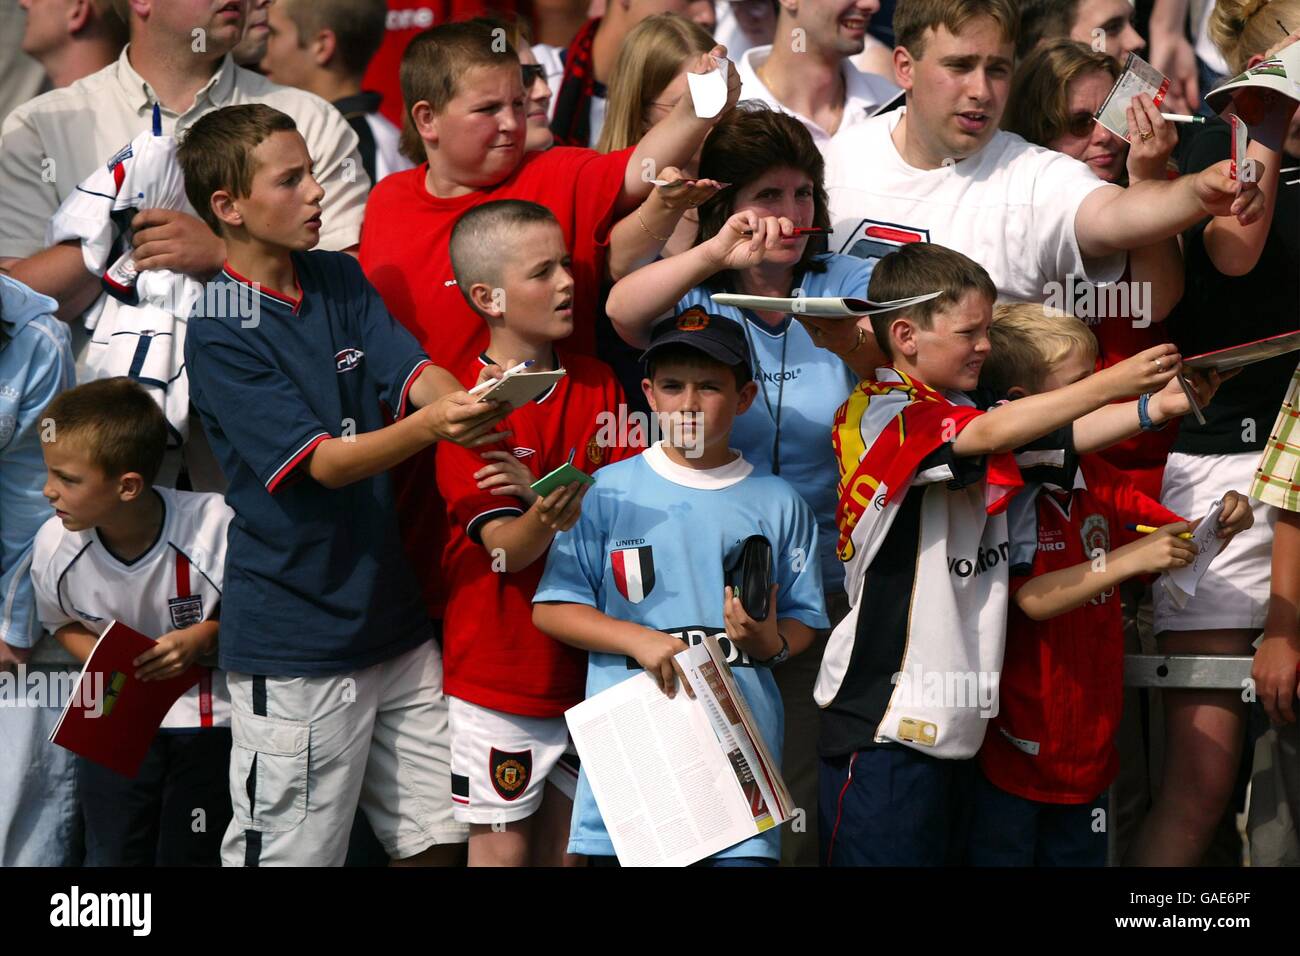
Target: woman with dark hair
747,244
1054,95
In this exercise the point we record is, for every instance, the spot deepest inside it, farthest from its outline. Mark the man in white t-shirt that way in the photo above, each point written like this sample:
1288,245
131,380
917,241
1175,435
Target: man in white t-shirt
941,171
807,73
178,57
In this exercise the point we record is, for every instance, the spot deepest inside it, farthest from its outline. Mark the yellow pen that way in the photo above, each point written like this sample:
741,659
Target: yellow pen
1147,529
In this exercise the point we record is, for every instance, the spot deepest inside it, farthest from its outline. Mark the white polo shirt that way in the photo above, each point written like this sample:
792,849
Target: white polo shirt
864,93
51,143
1010,207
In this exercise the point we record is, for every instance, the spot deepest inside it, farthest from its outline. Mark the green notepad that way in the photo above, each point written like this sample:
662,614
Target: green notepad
566,474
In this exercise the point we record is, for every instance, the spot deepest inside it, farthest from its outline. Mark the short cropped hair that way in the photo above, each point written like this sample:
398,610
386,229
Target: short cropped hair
681,354
920,268
121,428
217,153
913,17
358,26
435,61
483,238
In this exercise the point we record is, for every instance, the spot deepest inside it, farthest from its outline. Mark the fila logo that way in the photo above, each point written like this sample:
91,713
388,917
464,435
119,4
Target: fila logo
523,452
348,359
634,572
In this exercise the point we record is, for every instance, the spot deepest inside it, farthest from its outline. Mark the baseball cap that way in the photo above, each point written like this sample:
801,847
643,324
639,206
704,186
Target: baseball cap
716,336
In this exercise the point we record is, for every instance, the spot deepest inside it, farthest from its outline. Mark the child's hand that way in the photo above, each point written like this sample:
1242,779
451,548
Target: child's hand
1171,401
1163,550
656,653
731,248
1235,516
11,657
758,639
561,509
1148,371
171,655
506,475
689,194
458,417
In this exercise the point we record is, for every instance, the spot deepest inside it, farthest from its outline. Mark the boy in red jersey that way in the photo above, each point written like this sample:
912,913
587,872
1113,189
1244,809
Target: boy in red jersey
464,96
1050,753
508,683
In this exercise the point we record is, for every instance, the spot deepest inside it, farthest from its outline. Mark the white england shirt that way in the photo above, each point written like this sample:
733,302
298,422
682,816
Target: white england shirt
175,584
1010,207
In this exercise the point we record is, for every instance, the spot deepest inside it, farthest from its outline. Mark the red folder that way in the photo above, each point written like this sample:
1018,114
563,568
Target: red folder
1246,354
112,717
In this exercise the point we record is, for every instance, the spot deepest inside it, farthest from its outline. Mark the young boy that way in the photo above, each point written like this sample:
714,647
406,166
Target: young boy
910,675
464,95
324,47
1050,752
508,684
118,548
335,684
642,570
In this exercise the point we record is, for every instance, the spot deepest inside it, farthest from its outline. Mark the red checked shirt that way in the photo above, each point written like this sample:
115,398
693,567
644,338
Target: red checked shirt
493,656
1061,692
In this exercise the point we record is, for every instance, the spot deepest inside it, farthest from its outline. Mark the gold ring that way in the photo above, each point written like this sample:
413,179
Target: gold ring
1146,134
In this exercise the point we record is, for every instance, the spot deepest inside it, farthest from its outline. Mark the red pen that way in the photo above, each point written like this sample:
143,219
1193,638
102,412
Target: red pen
801,231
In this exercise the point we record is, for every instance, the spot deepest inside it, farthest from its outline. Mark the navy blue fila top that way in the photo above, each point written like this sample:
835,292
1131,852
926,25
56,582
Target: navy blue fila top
316,581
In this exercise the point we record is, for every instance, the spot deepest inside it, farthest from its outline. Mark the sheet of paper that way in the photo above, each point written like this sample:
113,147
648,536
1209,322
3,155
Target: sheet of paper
1139,76
1241,168
667,792
1180,584
709,90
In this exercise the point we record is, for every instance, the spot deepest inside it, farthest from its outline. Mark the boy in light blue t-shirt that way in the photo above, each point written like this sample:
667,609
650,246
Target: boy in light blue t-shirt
641,574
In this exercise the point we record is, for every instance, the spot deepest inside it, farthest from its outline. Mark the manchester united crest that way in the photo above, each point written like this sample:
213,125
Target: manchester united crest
1096,535
595,453
510,772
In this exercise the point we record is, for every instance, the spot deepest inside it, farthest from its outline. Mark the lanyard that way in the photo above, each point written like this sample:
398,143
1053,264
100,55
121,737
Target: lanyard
748,317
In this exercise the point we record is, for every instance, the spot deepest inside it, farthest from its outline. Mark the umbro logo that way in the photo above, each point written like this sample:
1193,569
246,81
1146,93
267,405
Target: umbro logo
523,452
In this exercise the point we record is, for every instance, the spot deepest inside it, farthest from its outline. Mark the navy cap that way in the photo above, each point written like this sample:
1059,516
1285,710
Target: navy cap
716,336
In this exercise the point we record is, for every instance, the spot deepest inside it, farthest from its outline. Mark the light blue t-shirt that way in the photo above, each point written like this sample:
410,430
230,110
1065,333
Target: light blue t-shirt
816,383
35,366
649,548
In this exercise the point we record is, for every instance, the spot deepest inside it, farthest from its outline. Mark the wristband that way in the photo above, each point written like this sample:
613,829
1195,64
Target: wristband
1144,417
780,657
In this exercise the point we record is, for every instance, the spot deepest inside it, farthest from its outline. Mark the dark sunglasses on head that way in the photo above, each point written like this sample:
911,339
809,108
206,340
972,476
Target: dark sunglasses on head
532,73
1079,124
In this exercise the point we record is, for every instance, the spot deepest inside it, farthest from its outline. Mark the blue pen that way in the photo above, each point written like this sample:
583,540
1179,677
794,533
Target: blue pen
572,451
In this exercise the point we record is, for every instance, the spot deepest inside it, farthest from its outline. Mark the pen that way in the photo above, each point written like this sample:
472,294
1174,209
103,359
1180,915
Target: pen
801,231
482,387
572,451
1182,118
1147,529
1191,398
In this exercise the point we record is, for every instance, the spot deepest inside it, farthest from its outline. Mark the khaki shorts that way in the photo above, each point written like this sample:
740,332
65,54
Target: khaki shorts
309,750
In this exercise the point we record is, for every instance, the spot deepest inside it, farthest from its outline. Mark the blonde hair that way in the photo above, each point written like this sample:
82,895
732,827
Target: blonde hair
650,58
1243,28
1027,340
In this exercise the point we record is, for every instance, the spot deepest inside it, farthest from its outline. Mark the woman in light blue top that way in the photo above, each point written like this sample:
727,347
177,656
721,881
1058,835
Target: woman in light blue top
746,244
38,800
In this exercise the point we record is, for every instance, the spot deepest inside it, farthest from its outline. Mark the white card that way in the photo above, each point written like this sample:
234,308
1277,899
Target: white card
709,90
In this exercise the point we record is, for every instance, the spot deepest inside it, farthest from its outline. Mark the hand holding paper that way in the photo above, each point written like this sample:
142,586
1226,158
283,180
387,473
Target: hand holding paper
713,86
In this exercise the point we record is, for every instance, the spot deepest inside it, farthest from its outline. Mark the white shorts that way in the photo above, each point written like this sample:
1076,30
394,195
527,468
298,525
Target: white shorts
501,763
309,750
1234,592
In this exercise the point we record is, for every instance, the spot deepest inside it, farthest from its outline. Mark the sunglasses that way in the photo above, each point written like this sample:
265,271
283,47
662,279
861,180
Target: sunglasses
1079,124
532,73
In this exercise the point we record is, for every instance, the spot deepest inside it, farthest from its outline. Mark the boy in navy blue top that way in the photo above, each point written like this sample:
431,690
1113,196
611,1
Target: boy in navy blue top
336,687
